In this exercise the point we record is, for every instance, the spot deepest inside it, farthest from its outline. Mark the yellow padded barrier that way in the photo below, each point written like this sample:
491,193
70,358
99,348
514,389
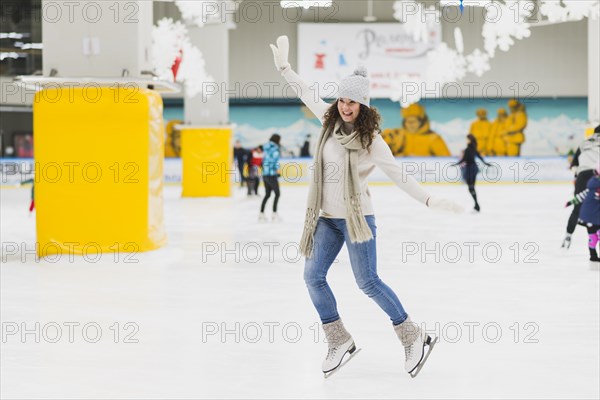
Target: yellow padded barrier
207,158
99,155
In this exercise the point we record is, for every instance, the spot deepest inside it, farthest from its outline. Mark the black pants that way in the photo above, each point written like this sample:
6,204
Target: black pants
580,185
240,165
271,185
470,176
253,180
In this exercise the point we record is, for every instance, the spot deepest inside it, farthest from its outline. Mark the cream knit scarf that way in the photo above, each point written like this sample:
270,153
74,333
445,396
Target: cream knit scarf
357,226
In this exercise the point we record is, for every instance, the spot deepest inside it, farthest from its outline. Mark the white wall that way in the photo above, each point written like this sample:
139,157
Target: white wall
554,58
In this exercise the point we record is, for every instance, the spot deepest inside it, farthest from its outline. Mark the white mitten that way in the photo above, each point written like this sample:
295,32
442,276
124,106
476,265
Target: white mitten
444,205
281,52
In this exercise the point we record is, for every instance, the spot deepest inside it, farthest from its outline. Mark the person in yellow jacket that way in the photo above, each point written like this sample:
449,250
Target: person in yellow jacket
415,138
516,124
496,141
481,130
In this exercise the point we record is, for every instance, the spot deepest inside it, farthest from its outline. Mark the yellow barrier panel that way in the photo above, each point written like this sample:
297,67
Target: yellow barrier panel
207,158
99,156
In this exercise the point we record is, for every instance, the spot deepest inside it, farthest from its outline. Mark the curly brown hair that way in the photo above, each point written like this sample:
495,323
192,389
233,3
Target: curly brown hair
367,122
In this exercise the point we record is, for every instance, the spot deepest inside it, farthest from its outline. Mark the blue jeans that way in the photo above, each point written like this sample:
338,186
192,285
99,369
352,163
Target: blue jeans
330,235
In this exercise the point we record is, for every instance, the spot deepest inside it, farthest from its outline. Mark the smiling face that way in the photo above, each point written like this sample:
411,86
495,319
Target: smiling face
348,109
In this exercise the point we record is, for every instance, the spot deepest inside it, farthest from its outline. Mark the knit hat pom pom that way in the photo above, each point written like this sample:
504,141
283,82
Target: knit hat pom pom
362,71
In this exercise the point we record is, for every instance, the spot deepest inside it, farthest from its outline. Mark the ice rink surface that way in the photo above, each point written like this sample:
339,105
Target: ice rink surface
222,310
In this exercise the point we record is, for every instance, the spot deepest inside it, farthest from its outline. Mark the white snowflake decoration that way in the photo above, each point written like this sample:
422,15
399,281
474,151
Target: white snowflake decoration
478,62
580,9
562,11
168,39
503,24
445,65
406,90
201,12
192,70
554,11
459,41
415,19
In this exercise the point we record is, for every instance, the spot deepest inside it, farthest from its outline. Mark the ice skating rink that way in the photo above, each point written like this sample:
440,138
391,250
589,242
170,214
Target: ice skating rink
222,310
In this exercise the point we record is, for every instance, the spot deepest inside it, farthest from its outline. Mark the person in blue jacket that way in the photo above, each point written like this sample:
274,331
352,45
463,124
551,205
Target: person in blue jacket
589,214
270,176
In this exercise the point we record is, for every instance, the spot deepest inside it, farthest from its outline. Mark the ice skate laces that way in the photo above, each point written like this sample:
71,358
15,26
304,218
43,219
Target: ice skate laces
408,351
331,352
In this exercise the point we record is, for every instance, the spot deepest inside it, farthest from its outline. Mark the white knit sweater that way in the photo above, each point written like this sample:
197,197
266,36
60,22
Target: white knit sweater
332,205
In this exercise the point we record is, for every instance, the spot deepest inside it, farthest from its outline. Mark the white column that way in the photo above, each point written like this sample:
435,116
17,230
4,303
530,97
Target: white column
213,41
594,70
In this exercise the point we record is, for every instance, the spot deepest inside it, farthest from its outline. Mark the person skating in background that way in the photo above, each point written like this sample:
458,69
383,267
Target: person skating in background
340,211
32,202
586,159
305,150
240,156
254,167
481,130
589,214
270,176
469,167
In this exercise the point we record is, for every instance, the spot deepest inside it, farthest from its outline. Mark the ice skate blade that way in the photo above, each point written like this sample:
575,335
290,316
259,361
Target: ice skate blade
348,357
432,343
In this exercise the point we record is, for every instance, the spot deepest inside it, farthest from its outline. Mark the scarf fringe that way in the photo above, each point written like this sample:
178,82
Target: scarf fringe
307,241
358,228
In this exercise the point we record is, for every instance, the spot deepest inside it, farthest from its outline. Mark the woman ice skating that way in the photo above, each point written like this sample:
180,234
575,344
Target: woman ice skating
270,162
340,211
469,167
589,214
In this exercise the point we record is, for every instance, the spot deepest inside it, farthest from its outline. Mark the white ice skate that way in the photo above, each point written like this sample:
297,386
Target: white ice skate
415,341
338,356
595,265
276,218
416,354
262,217
566,243
341,347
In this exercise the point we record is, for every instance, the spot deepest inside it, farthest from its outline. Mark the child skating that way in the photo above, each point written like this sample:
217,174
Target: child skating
589,214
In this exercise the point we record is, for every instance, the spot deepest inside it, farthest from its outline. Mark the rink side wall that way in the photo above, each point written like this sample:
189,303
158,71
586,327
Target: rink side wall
296,171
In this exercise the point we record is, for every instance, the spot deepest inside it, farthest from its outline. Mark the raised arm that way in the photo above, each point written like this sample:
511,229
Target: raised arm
308,96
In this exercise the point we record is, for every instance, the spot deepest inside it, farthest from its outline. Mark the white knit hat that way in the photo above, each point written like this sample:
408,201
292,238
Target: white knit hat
356,87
